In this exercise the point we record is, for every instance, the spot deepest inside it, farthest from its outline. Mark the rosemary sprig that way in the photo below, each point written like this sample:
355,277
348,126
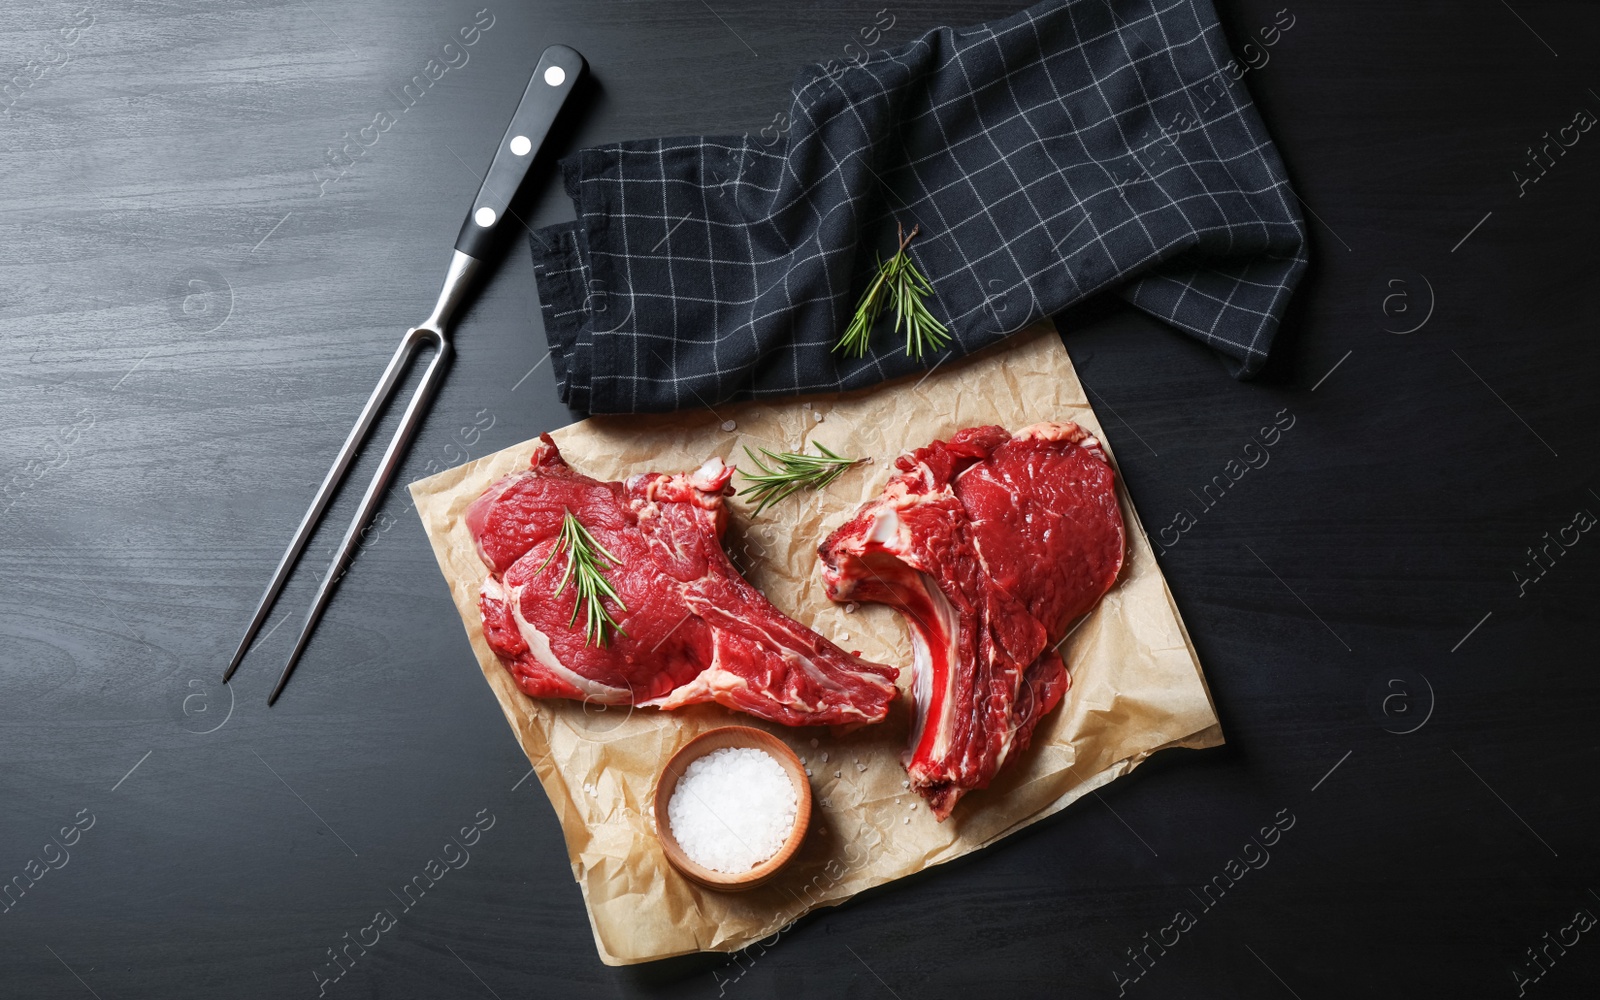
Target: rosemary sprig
900,284
585,569
791,471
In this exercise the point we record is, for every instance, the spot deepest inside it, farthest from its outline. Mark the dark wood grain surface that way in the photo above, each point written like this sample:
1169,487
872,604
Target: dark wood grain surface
191,314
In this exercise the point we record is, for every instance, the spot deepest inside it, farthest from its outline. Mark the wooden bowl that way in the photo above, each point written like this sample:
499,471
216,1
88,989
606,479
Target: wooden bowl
718,739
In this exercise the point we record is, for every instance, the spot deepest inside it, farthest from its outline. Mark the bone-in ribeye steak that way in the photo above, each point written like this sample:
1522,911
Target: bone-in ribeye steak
695,630
991,545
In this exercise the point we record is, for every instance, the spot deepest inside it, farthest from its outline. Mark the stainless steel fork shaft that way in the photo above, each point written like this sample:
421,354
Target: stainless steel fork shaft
431,333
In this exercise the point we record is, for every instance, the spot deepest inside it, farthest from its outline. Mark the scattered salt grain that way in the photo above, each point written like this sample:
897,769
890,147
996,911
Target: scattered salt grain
824,756
733,809
813,742
728,425
905,784
846,637
808,772
861,767
838,774
851,607
805,406
818,417
908,821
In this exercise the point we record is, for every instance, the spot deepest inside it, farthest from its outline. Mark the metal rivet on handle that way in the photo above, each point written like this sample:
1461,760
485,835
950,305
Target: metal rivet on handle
484,216
555,76
520,145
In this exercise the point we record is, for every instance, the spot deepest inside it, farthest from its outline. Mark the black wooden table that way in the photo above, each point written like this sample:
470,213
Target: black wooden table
194,304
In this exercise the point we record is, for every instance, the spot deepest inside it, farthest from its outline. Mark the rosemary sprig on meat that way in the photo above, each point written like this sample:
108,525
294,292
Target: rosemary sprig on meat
791,471
587,561
898,283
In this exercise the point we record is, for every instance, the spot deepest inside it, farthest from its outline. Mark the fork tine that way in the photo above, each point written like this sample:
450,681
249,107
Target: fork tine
370,501
319,504
330,483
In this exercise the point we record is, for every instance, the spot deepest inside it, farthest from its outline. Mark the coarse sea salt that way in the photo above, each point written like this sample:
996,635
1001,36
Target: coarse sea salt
733,809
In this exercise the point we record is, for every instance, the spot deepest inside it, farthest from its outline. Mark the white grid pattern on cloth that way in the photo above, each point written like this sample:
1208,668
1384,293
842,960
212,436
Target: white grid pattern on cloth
709,268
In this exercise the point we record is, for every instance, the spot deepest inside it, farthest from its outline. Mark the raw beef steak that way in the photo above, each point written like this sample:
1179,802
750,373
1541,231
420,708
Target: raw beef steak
991,545
693,631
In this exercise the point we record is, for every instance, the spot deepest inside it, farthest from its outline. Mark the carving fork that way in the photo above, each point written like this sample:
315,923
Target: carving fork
553,80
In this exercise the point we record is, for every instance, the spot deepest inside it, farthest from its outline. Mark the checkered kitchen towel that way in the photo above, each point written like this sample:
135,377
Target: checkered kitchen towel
1075,147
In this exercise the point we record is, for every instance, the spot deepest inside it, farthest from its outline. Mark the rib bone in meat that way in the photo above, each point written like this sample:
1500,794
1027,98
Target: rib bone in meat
991,545
693,631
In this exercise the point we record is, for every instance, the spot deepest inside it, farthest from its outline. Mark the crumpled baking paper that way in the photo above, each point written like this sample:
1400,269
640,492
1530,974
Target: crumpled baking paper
1136,686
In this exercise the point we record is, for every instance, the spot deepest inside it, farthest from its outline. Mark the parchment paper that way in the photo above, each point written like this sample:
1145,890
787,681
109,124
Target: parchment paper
1136,682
